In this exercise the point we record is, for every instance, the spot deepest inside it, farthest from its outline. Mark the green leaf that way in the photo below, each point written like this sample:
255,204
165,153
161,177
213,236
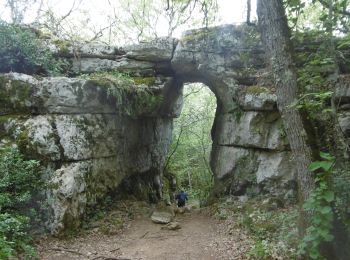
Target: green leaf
309,238
326,210
314,166
327,156
329,196
325,165
327,110
329,237
314,254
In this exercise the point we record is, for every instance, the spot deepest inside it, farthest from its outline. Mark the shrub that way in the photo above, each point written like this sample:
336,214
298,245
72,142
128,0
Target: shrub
320,205
22,51
19,181
342,199
14,237
274,232
19,185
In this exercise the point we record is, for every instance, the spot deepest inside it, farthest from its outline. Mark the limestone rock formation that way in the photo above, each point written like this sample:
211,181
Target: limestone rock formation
156,50
257,101
86,143
251,129
94,135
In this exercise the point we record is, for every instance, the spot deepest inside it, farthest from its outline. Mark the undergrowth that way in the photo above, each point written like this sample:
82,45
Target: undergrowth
319,205
22,51
20,184
110,217
274,232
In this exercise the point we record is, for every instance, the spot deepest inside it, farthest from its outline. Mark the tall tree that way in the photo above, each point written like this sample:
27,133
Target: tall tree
275,35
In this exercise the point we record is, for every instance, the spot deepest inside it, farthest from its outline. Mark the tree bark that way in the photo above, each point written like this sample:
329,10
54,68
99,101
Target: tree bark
275,35
249,8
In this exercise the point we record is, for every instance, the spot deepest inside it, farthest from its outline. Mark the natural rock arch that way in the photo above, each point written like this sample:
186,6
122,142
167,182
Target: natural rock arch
248,142
92,143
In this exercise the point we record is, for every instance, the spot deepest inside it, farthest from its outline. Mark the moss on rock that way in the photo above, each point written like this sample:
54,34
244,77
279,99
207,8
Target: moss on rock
63,46
148,81
13,95
23,141
132,95
198,35
257,90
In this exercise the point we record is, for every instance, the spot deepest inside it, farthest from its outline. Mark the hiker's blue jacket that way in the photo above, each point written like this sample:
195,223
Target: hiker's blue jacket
182,196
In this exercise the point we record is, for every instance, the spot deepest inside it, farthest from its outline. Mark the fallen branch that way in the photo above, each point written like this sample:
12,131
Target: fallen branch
161,237
66,250
144,234
110,258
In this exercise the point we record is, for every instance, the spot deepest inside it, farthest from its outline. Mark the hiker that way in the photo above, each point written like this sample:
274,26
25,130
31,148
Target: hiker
181,199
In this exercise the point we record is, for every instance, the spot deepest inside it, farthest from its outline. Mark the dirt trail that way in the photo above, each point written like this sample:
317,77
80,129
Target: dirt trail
199,238
192,241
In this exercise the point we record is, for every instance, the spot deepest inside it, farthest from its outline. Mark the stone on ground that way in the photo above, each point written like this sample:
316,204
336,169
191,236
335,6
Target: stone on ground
180,210
172,226
188,208
161,217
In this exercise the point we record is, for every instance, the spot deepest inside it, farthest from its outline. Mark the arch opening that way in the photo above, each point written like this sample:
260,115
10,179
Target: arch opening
188,163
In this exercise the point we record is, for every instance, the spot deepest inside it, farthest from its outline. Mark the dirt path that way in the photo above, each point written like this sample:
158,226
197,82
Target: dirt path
199,238
147,241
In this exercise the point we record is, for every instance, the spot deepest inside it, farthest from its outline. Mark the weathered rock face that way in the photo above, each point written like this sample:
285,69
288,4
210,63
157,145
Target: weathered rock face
86,143
91,141
249,144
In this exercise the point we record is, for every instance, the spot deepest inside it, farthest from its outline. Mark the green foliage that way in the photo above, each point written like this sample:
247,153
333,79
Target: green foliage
344,42
319,205
19,180
148,81
19,185
315,81
274,232
259,250
106,79
21,51
294,8
14,237
341,182
315,103
192,142
323,15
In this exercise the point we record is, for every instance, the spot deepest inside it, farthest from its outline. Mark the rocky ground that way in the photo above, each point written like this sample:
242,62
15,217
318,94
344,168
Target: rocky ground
200,237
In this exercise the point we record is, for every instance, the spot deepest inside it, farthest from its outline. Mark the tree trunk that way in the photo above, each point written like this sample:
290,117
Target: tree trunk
275,35
249,8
